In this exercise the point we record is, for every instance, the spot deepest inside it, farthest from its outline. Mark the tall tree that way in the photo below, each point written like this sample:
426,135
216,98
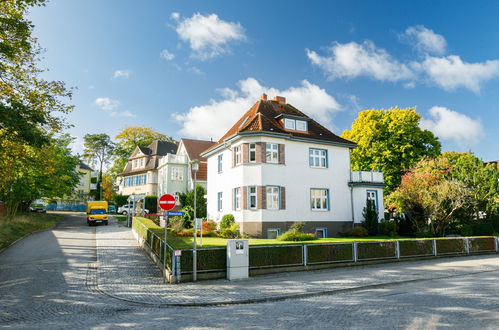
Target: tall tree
390,141
128,139
98,147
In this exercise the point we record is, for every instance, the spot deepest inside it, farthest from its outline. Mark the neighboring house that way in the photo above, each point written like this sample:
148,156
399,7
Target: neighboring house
174,171
85,185
276,166
140,175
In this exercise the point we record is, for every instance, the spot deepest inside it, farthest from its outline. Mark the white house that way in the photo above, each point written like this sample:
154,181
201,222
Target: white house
276,166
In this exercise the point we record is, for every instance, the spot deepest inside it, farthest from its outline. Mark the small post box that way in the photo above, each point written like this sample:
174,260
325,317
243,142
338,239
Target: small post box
237,259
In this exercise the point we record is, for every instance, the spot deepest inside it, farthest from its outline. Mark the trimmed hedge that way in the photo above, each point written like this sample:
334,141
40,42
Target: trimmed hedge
416,248
366,250
478,244
450,245
329,253
265,256
152,234
207,260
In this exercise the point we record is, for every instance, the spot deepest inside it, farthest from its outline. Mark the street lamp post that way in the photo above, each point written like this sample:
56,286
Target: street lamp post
195,168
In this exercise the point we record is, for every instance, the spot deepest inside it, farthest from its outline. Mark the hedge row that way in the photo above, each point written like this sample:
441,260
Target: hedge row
207,260
376,250
416,248
319,253
151,233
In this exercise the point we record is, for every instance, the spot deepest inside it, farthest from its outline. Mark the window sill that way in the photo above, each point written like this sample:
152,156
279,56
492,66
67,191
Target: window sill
314,210
319,167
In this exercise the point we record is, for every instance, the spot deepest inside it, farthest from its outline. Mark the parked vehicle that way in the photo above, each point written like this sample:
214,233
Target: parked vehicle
38,208
124,209
97,212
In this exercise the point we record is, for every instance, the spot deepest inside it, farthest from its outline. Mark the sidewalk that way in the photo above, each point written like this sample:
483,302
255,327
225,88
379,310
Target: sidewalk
124,271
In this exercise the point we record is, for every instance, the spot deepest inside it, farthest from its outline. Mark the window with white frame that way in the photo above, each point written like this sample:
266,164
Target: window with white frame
177,173
289,123
371,196
237,198
272,197
220,163
321,232
252,198
237,150
272,152
273,233
252,152
301,125
319,199
220,201
317,158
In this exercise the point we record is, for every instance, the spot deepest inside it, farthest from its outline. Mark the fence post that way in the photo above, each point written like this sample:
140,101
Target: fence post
496,243
354,246
305,255
397,249
467,245
435,247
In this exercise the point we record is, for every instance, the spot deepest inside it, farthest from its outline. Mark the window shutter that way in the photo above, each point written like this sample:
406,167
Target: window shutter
245,153
233,200
328,200
282,159
282,197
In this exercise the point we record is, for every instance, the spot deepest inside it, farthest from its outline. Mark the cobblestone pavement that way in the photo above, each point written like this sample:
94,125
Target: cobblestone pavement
54,280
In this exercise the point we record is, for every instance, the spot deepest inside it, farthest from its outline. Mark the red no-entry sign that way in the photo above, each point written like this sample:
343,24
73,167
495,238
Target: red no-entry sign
167,202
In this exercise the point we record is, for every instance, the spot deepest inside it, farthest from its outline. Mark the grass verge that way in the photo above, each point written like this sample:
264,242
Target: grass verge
13,228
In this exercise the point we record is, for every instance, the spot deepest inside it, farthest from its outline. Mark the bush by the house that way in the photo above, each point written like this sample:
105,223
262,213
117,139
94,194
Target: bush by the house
295,233
151,203
176,224
359,231
209,226
388,227
230,232
227,221
370,215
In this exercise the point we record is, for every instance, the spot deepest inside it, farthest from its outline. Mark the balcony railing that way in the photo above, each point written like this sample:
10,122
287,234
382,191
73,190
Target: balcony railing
173,159
367,176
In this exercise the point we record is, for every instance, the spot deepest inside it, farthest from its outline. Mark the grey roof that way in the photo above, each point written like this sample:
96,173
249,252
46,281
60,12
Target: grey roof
154,151
84,166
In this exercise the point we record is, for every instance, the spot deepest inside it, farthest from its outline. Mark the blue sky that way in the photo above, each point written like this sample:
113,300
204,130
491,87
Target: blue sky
190,69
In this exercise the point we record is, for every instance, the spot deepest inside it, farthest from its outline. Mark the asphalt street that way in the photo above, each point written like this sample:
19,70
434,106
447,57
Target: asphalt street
47,281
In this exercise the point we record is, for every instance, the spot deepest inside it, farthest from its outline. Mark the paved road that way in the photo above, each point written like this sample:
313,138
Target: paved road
48,281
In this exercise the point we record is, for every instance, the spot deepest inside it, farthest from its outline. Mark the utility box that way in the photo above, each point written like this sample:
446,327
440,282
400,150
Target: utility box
237,259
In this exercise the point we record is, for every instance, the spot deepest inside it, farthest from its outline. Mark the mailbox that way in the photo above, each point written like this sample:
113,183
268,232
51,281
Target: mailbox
237,259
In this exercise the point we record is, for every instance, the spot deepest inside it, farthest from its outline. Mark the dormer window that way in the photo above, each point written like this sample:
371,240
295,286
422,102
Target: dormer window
301,125
295,124
138,163
289,123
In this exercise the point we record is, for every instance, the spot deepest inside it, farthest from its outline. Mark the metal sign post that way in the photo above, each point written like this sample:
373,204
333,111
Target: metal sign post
166,202
164,244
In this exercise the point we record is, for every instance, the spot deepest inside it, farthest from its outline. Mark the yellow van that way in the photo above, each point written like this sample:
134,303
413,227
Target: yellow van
97,212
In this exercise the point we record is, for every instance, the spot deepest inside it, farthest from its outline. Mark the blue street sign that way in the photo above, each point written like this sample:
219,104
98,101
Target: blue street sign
175,214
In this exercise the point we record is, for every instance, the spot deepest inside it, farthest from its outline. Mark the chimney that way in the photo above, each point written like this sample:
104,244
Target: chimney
263,97
281,100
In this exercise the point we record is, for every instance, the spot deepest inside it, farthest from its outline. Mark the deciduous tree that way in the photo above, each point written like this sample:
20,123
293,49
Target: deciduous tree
98,147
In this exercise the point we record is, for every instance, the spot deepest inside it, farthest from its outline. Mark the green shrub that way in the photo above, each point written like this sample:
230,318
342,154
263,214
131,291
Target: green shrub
359,231
389,227
465,230
176,224
293,235
231,232
370,215
227,221
483,229
209,226
297,226
151,203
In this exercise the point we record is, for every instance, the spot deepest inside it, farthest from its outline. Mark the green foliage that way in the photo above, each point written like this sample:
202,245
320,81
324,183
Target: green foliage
13,228
359,231
230,232
187,199
390,141
293,235
176,224
297,226
322,253
120,200
130,138
98,147
275,256
151,203
227,221
370,214
388,227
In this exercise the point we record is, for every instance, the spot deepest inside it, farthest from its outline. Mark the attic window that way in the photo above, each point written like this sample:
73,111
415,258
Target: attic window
298,125
275,106
301,125
244,122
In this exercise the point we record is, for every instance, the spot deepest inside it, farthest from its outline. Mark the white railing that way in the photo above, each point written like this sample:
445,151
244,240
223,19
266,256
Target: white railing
367,176
171,158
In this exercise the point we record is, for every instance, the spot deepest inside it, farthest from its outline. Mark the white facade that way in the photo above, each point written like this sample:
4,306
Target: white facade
298,178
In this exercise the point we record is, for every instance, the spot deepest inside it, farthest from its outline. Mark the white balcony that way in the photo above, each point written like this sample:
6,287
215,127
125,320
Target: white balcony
94,174
367,176
93,186
173,159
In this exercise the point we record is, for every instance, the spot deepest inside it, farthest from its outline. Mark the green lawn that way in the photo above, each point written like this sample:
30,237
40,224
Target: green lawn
120,217
13,228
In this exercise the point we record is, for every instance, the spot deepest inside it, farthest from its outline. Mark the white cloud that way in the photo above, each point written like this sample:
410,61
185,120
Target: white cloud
122,73
208,36
212,120
352,60
451,72
175,16
127,114
452,125
425,40
165,54
106,103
